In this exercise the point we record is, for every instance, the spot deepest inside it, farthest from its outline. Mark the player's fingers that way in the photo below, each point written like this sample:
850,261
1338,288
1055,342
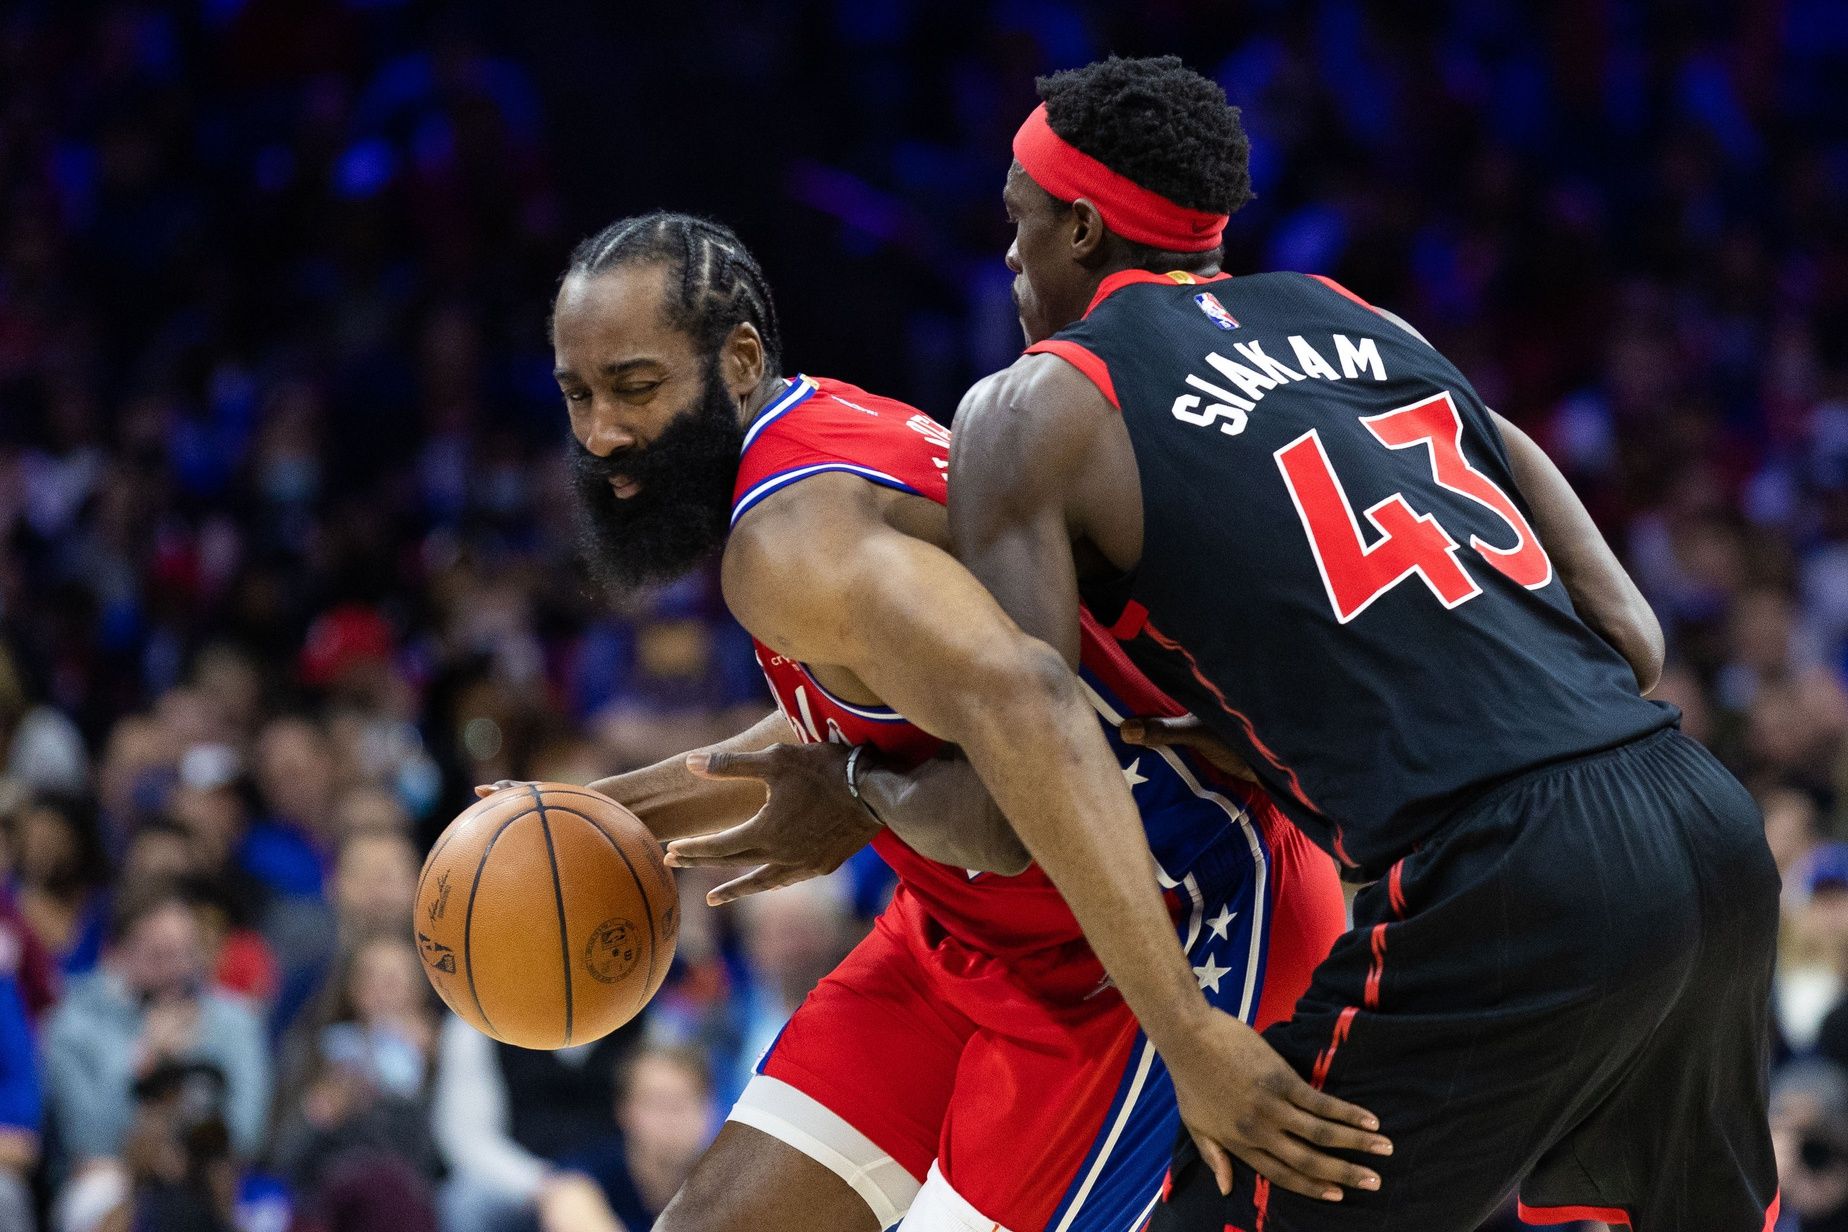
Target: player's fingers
1155,731
1280,1173
732,859
769,877
1325,1168
488,789
1321,1104
1334,1135
719,765
730,842
1215,1158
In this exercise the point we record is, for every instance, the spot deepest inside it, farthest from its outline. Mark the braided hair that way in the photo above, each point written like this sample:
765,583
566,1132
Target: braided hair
721,284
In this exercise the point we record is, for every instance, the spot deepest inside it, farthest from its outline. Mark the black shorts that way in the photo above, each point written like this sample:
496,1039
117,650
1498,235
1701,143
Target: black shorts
1565,994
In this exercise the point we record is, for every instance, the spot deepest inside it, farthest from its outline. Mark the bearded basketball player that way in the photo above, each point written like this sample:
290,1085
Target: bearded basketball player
972,1063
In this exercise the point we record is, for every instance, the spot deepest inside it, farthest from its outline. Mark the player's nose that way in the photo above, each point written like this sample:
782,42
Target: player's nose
607,436
1013,256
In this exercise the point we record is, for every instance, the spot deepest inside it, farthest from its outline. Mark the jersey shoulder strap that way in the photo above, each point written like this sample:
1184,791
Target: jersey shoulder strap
818,426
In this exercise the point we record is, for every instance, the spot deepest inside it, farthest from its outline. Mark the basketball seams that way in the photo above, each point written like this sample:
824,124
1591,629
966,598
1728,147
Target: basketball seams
558,900
647,903
423,876
454,829
468,918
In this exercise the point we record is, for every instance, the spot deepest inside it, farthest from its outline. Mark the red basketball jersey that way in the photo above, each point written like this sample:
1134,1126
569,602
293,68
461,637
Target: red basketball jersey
816,426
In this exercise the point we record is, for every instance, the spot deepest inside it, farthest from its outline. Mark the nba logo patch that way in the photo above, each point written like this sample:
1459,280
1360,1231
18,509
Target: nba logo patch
1215,311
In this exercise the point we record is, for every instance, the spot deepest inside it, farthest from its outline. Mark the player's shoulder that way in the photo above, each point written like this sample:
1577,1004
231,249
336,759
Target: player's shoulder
1043,406
1043,384
793,541
806,474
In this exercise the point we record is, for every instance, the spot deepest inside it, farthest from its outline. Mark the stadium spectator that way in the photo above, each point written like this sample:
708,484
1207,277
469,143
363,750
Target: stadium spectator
1813,953
790,941
505,1117
355,1100
40,748
664,1115
60,874
1809,1128
1796,823
34,974
147,1006
375,879
289,847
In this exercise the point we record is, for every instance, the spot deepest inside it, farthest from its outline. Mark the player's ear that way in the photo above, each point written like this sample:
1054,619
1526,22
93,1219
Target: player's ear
741,360
1088,232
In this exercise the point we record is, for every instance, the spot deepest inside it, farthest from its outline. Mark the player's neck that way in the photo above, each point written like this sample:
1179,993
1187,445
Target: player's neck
1160,263
754,402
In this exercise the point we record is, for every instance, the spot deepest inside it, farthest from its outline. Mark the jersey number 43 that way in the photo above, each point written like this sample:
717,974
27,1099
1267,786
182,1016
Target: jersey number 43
1355,572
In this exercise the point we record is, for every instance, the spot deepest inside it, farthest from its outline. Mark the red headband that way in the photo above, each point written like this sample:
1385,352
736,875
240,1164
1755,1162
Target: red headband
1132,211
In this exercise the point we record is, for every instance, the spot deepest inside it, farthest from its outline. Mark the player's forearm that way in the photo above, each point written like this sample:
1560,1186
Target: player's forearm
942,811
1617,612
674,803
1043,757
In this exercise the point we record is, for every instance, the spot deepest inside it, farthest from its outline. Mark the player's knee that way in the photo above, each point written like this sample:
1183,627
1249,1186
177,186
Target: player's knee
695,1209
713,1202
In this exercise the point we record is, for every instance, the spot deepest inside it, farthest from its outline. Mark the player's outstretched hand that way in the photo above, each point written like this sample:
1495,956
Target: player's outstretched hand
1237,1095
807,828
1187,732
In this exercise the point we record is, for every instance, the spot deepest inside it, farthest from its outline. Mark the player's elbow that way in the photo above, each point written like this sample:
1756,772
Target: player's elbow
985,843
998,849
1637,634
1007,692
1651,653
1032,680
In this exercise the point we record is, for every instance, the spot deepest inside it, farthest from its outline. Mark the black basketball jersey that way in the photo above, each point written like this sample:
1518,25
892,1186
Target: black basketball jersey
1338,573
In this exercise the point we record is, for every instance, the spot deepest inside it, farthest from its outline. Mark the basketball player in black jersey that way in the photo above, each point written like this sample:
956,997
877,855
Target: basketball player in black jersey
1385,600
1305,525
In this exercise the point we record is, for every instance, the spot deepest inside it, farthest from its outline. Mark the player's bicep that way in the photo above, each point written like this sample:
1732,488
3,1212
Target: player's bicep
900,613
935,642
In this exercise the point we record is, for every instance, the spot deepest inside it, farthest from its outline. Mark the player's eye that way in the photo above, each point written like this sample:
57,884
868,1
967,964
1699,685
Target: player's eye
636,391
576,395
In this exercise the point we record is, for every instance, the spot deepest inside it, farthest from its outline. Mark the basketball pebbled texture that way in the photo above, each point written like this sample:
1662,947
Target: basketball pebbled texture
545,916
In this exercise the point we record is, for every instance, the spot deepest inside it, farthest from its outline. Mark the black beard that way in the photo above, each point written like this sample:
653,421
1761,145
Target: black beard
683,511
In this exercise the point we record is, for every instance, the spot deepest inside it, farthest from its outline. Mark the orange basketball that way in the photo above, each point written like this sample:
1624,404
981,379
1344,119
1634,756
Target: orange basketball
545,916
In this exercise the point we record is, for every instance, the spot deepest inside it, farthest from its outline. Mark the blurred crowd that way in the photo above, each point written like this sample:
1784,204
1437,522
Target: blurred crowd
285,565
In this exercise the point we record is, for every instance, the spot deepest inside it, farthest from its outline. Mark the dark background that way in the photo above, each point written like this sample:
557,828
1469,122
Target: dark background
280,455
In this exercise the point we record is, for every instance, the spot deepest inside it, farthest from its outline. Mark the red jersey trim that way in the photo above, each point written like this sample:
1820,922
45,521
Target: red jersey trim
1083,359
1129,622
1130,277
1138,693
1571,1214
1340,290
